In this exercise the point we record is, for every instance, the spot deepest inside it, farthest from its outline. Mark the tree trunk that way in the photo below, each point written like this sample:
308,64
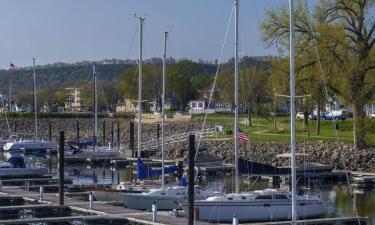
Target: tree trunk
306,120
249,115
318,120
359,132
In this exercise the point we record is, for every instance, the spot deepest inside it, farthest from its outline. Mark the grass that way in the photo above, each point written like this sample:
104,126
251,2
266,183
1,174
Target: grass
263,129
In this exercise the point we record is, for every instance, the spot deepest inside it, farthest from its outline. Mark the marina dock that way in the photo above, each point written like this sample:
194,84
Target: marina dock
47,210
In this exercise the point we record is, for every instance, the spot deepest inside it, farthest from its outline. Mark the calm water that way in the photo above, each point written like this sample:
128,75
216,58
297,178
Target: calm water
338,198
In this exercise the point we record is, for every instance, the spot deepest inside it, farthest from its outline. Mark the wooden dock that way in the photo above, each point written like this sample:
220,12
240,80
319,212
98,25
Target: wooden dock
104,212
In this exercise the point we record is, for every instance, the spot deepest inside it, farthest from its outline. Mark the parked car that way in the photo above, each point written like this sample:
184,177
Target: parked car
371,115
300,116
334,115
313,117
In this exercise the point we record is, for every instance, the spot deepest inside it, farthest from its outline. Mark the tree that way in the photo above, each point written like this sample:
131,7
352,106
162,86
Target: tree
24,98
179,80
343,32
352,53
252,89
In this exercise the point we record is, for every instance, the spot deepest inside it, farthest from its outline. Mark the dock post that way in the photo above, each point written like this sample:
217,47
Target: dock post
276,182
154,210
15,126
191,179
158,131
77,131
1,185
131,138
103,133
235,220
50,131
113,178
158,136
91,199
61,167
41,192
118,135
112,134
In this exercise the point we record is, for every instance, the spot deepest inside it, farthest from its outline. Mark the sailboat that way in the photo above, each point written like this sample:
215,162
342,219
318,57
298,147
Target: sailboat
17,145
95,151
164,197
268,204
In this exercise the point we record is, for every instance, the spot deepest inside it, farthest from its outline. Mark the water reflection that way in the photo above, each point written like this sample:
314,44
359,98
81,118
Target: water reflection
340,202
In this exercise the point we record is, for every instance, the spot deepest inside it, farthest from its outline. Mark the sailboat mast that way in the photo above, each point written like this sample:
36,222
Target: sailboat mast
35,103
162,108
95,106
292,113
140,86
236,152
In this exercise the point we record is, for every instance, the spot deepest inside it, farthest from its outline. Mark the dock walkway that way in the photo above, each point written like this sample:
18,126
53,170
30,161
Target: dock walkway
103,210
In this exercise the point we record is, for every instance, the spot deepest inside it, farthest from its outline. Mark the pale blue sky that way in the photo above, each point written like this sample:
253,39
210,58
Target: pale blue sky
75,30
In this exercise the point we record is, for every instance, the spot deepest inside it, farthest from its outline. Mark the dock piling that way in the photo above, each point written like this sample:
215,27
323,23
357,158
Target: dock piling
61,167
41,192
131,137
235,220
50,131
191,179
154,210
77,131
15,126
118,135
113,134
103,133
91,199
1,185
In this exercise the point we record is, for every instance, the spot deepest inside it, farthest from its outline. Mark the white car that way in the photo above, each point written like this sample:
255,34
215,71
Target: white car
300,116
371,115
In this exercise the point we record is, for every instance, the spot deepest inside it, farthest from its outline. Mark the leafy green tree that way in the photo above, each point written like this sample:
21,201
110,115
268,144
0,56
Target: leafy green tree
344,35
24,98
180,80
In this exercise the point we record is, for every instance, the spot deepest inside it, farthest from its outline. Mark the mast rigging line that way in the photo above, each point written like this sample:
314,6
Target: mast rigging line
310,29
217,72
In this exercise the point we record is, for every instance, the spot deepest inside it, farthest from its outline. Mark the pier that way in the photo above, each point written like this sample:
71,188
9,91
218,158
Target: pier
16,201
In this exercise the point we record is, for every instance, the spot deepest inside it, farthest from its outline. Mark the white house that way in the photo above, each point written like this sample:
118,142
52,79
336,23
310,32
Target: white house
200,106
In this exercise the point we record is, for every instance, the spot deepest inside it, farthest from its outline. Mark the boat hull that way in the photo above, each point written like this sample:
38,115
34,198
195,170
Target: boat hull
256,211
107,196
145,202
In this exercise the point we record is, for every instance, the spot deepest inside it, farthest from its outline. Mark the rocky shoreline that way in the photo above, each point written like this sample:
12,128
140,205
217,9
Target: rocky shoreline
341,156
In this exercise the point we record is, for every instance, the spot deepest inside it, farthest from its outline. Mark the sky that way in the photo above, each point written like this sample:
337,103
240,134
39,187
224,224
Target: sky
77,30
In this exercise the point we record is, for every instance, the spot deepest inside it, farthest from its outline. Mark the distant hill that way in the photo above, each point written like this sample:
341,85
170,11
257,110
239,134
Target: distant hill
60,75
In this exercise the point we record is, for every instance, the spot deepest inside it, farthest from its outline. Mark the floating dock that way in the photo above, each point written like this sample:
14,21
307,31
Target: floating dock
16,201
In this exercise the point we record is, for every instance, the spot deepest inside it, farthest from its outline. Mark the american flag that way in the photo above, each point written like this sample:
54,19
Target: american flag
243,137
13,67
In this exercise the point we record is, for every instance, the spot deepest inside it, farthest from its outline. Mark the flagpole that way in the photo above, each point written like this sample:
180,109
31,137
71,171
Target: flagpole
10,90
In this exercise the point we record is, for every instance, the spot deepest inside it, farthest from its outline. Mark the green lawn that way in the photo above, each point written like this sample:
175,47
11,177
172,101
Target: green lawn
263,129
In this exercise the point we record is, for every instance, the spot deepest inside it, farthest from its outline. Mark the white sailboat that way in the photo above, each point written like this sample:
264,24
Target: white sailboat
16,145
164,197
266,204
95,151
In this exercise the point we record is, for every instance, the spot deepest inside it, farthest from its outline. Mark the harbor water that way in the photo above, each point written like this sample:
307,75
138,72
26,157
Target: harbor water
340,202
